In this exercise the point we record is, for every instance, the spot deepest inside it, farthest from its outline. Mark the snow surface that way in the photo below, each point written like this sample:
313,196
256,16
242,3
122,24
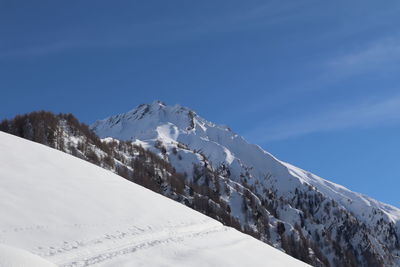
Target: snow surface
15,257
73,213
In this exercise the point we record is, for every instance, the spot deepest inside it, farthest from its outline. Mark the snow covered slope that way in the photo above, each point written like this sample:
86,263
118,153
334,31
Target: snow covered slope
73,213
336,219
15,257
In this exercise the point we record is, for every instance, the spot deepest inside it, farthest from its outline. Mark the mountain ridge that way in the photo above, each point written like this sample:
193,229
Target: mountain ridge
248,164
391,210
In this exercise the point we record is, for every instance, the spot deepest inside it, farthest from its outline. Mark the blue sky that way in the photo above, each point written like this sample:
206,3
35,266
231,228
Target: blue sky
316,83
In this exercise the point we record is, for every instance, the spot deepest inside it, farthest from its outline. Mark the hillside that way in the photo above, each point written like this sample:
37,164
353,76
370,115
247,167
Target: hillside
73,213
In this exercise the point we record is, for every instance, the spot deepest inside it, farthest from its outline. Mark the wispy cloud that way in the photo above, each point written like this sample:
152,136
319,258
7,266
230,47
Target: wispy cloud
61,46
163,31
269,14
371,113
379,55
378,58
38,50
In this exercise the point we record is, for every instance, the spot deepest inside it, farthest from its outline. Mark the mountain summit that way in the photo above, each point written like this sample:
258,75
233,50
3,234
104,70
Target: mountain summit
279,203
140,122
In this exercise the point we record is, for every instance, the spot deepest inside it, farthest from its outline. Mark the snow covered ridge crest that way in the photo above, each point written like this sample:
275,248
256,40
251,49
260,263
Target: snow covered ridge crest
146,116
303,202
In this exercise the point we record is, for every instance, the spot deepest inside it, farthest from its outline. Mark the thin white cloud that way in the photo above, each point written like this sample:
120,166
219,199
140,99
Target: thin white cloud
165,31
377,56
60,46
367,114
37,50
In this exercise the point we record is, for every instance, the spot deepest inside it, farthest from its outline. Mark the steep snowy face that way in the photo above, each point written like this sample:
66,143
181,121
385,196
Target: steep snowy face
185,139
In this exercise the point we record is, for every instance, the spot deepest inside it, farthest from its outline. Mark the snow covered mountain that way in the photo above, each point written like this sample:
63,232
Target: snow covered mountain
56,208
308,217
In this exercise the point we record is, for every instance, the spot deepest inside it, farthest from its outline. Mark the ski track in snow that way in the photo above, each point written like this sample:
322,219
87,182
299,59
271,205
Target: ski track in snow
111,245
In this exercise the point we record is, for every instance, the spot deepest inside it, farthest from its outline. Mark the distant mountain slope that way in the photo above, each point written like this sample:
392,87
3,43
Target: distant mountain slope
310,218
73,213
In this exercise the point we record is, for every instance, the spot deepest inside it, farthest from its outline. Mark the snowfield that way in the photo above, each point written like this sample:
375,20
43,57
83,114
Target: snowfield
60,209
15,257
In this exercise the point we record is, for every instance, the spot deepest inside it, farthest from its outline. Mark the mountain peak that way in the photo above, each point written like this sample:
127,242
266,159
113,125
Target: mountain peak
153,108
138,122
155,105
159,103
